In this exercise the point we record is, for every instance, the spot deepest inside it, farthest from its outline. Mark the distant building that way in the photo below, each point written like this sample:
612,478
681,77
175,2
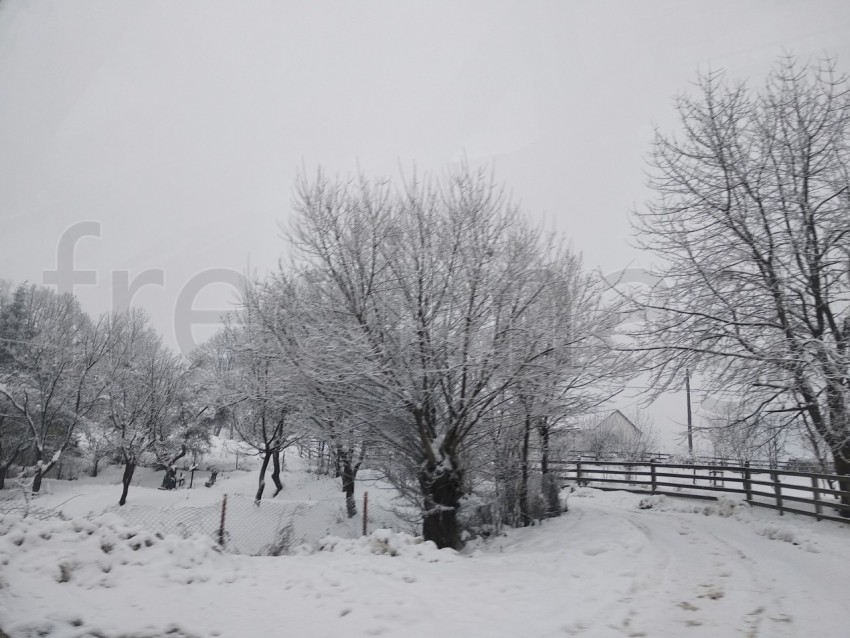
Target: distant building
618,426
615,435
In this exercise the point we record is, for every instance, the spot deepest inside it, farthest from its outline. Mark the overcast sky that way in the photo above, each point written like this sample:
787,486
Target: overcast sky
178,126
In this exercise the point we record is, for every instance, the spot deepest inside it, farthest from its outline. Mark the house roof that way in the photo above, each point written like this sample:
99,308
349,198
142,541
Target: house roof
619,421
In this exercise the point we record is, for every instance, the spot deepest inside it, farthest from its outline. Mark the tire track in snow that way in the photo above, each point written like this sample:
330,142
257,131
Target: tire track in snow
683,590
707,573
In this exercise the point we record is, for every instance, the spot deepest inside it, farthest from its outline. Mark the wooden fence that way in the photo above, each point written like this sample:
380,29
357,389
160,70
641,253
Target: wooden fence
805,493
791,464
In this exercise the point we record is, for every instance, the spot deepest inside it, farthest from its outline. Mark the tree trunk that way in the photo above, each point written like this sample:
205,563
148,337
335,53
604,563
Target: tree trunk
178,456
348,489
39,475
262,482
276,473
169,481
4,468
841,458
549,482
525,506
442,489
171,464
346,469
129,468
218,421
94,465
347,473
543,431
39,470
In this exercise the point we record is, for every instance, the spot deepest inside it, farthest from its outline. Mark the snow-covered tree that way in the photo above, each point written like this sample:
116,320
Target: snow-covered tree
581,371
416,317
258,391
752,221
14,433
145,380
290,309
737,432
52,375
214,369
14,437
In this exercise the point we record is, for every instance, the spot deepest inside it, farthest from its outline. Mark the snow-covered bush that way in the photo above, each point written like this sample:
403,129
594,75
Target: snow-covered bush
382,542
788,533
98,552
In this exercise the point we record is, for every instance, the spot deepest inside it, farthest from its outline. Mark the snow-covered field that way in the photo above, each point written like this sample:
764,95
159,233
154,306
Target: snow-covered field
616,564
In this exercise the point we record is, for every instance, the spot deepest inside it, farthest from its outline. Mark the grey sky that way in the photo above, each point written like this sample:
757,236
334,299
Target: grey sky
179,126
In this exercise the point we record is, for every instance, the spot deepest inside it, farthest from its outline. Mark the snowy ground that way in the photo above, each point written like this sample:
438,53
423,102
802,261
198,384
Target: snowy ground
614,565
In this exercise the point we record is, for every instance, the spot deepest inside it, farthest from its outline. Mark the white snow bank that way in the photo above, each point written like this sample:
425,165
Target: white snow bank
103,551
382,542
724,506
790,533
607,568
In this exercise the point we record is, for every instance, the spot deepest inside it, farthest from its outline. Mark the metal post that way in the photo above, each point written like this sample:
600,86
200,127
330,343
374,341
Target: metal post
690,423
221,525
365,512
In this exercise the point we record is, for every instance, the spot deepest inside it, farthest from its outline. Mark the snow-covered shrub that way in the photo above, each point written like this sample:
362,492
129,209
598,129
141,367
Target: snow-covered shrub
478,517
282,543
727,507
656,501
97,553
583,492
789,534
382,542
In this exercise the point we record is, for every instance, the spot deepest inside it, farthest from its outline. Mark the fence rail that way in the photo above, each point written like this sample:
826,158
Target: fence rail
791,464
808,493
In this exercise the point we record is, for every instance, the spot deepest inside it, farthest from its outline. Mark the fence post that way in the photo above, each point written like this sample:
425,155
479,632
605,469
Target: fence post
748,486
365,512
816,496
777,487
578,472
652,473
221,525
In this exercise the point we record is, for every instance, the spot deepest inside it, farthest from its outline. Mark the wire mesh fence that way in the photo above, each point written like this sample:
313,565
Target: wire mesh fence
236,522
241,526
23,508
18,501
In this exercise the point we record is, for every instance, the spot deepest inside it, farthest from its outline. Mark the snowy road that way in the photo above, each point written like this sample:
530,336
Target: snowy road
607,568
716,577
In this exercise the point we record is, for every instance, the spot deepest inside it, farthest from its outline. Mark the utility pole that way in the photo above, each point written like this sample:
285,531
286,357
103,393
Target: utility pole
690,423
